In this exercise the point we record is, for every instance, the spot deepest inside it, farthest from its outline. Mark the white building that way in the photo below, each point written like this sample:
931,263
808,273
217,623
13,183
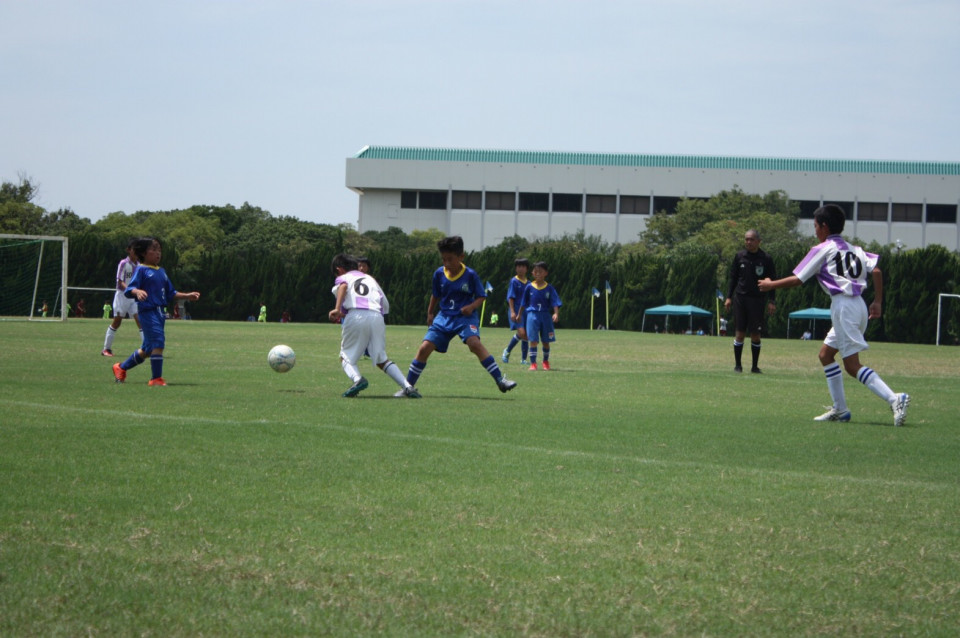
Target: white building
487,195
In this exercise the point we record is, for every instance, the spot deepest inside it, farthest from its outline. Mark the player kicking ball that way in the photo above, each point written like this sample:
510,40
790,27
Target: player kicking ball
360,307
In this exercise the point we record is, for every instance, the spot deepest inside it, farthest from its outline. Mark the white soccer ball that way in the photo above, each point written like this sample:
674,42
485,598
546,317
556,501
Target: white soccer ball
281,358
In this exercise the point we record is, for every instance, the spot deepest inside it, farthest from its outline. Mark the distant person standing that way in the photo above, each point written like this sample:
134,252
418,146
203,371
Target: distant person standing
514,291
539,310
749,266
122,305
263,313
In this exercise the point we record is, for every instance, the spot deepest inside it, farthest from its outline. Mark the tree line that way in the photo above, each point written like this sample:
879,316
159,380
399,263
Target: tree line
241,256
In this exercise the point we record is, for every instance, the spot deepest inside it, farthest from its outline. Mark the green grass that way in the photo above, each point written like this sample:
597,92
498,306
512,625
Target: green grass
639,488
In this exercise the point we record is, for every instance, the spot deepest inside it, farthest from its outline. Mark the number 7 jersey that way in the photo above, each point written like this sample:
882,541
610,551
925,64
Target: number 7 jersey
840,268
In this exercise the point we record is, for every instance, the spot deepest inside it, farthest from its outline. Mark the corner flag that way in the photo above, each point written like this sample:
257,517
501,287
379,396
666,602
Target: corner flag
596,293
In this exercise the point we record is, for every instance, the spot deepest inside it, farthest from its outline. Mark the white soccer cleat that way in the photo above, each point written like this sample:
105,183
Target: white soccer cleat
899,407
834,415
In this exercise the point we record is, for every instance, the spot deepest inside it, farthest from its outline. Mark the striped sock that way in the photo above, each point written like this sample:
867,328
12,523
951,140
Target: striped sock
533,354
416,369
834,374
872,380
156,365
490,364
133,360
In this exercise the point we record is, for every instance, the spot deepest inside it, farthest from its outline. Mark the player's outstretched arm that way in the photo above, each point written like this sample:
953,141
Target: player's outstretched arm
768,284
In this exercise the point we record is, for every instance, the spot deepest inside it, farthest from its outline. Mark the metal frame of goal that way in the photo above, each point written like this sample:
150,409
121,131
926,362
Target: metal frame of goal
939,310
62,292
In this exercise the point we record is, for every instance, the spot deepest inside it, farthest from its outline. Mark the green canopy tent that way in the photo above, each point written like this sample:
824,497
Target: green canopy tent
675,311
813,314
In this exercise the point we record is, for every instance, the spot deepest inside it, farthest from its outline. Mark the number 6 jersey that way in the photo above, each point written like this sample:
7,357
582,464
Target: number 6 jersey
363,291
840,268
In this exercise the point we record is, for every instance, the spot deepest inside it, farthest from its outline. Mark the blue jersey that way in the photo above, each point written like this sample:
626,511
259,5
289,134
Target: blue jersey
515,292
457,292
540,299
157,285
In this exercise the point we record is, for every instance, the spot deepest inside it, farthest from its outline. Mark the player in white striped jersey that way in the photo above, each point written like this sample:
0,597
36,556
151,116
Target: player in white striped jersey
360,307
122,306
841,269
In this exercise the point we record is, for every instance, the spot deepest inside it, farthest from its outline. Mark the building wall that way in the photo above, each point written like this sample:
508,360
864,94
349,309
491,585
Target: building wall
380,182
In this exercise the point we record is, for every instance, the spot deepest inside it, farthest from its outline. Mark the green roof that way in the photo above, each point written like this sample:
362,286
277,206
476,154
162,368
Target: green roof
658,161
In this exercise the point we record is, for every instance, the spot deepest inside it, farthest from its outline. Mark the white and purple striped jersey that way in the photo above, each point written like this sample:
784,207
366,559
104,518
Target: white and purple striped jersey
125,272
363,292
840,268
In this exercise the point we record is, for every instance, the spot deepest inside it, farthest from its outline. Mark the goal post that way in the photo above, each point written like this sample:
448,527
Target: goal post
940,311
33,273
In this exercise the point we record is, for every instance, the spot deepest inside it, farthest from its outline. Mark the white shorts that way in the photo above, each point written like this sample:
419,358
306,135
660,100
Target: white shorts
849,316
363,330
124,306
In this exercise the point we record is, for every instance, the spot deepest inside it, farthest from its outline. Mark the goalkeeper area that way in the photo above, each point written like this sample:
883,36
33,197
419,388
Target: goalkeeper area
33,277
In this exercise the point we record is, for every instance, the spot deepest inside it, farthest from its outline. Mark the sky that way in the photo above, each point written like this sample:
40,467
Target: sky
125,105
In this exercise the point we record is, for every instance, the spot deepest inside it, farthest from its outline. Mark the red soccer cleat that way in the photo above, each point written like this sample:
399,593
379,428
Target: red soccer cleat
157,381
546,365
119,373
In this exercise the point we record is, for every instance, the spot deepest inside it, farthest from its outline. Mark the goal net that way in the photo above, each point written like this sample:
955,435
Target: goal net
948,319
33,277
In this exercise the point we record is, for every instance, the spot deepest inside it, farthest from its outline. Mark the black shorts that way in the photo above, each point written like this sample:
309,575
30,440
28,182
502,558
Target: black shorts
749,314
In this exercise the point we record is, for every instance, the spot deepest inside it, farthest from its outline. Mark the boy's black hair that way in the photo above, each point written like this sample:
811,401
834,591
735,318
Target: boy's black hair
542,264
521,261
363,260
131,243
142,245
831,216
345,261
452,244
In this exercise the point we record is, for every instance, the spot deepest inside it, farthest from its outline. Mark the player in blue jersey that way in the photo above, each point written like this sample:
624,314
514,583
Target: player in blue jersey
514,291
841,270
153,290
540,309
456,295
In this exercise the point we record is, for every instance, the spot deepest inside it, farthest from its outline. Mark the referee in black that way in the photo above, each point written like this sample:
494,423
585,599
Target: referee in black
749,266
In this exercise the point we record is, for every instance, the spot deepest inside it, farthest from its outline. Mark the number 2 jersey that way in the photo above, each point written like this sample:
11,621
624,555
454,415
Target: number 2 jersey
453,292
840,268
363,292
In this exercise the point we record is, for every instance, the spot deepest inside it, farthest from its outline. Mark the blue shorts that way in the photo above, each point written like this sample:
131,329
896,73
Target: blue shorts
151,322
516,325
445,328
540,327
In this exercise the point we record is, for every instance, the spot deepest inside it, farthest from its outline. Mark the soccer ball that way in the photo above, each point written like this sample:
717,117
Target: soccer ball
281,358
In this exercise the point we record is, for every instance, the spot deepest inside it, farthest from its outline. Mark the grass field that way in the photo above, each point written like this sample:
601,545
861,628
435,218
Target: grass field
639,488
